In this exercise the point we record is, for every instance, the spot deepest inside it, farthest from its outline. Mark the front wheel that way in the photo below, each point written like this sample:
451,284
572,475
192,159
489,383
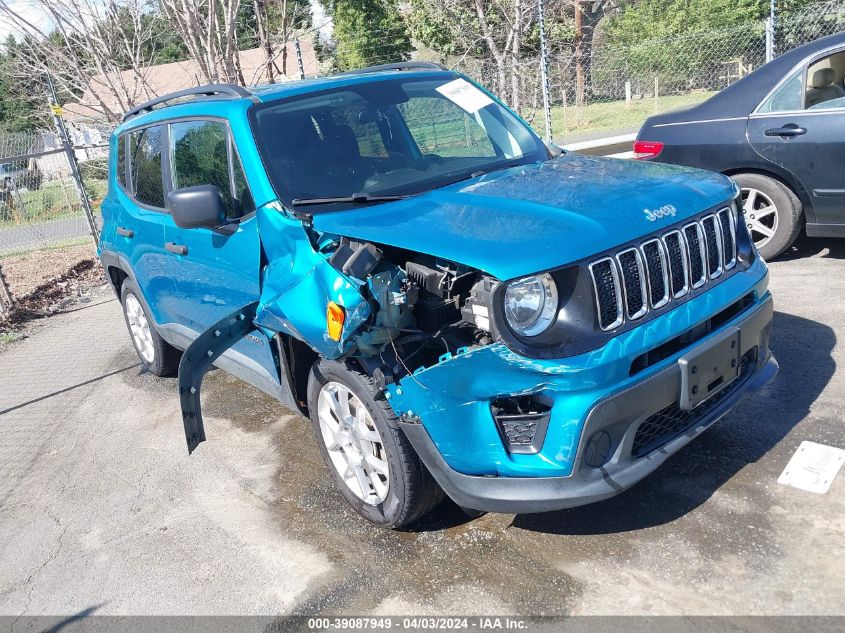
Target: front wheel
373,464
772,213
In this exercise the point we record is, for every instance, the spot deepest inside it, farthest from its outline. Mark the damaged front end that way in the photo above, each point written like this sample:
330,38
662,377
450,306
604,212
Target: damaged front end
390,311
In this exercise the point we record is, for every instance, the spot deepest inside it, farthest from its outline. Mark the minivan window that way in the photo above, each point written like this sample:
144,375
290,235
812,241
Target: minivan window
145,159
200,156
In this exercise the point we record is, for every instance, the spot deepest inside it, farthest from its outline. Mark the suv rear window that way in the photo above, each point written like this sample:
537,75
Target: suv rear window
145,148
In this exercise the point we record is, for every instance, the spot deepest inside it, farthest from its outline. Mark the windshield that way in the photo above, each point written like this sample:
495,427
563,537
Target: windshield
391,137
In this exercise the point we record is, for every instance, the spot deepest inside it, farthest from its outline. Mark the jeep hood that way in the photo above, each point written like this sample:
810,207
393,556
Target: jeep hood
536,217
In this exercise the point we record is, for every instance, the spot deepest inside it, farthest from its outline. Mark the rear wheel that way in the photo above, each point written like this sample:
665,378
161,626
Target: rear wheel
371,460
157,355
772,213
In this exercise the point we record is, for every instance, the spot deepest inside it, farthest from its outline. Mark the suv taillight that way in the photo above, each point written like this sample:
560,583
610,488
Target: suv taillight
647,149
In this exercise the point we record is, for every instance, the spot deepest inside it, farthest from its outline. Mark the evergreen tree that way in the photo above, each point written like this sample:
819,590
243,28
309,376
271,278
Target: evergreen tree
368,32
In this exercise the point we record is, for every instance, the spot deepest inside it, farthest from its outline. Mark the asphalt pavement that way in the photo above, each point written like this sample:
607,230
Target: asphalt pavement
102,510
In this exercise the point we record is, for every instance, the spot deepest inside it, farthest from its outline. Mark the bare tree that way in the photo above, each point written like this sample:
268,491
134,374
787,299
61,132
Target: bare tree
209,30
85,46
495,29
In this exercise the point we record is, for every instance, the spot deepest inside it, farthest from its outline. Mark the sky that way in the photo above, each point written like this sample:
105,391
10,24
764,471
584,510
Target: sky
27,8
32,12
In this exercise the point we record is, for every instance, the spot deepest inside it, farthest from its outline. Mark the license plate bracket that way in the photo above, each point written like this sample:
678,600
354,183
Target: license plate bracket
709,368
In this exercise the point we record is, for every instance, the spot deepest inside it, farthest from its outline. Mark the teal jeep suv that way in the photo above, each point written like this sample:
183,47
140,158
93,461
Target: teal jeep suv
459,308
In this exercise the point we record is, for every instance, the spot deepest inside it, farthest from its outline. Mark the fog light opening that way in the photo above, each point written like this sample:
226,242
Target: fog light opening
522,421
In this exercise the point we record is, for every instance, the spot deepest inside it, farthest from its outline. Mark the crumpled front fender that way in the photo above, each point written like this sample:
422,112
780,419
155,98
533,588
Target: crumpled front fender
298,283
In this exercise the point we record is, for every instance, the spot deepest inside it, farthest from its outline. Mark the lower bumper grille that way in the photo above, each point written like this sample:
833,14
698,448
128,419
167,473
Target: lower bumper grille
522,421
670,422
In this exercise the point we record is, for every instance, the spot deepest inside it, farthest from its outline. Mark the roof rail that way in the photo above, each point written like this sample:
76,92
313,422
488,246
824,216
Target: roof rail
209,91
396,66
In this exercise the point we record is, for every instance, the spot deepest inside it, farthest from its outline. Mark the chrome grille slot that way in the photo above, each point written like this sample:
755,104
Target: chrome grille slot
657,272
608,293
633,282
676,250
694,237
728,226
713,240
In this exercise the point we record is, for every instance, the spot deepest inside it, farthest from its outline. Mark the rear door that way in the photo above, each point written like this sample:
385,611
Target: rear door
800,129
141,219
215,271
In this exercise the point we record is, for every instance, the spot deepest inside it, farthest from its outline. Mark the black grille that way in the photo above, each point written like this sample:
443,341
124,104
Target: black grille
670,422
728,240
632,279
675,253
694,246
606,293
519,432
655,266
663,267
714,252
522,421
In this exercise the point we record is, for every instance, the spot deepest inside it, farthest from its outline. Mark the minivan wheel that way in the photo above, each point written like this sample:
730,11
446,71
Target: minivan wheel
373,464
157,355
772,213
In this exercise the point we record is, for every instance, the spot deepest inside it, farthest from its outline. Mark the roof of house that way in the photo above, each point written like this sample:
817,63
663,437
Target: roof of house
165,78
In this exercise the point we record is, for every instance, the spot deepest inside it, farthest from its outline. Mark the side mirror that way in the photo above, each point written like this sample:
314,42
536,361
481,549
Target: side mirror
197,207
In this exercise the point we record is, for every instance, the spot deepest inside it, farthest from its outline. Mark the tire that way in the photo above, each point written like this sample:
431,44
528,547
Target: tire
408,491
157,355
761,193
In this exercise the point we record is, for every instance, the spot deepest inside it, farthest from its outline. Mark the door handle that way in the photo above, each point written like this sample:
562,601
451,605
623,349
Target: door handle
790,129
125,232
179,249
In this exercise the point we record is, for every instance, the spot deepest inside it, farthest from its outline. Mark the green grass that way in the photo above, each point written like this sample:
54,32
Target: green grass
53,201
613,115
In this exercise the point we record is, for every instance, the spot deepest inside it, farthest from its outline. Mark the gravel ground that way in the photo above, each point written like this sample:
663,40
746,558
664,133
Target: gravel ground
102,510
26,272
46,282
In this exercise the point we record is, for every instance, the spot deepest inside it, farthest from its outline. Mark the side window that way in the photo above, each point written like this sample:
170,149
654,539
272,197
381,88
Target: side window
789,97
145,159
441,127
200,156
121,161
243,197
825,89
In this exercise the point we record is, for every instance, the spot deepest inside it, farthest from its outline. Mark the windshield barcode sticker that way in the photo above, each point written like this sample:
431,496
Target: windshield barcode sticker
464,95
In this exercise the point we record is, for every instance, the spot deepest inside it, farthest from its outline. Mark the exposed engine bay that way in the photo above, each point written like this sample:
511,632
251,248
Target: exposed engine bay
423,309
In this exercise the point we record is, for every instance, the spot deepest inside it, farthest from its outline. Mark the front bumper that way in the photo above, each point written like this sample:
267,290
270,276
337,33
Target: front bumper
621,415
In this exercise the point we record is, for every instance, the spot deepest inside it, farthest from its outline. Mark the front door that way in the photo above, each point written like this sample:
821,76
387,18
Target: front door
801,130
216,271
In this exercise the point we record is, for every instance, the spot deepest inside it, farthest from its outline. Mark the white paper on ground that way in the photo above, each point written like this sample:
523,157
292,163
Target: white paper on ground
813,467
464,95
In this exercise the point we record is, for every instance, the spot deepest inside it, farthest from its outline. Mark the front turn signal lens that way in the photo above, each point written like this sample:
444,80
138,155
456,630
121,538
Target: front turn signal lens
334,317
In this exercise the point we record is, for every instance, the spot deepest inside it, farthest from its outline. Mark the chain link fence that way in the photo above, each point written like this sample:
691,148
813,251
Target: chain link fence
594,91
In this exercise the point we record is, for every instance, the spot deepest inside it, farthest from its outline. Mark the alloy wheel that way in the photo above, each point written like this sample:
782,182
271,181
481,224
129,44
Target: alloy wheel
354,445
761,215
139,327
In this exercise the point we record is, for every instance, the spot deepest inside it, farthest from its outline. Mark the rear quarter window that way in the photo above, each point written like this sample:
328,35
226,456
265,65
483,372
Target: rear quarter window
145,151
121,161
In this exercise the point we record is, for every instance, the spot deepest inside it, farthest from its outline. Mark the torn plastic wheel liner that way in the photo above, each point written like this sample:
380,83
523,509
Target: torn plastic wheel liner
197,360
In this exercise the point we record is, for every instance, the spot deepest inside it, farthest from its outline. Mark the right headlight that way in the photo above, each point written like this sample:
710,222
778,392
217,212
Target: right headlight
531,304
